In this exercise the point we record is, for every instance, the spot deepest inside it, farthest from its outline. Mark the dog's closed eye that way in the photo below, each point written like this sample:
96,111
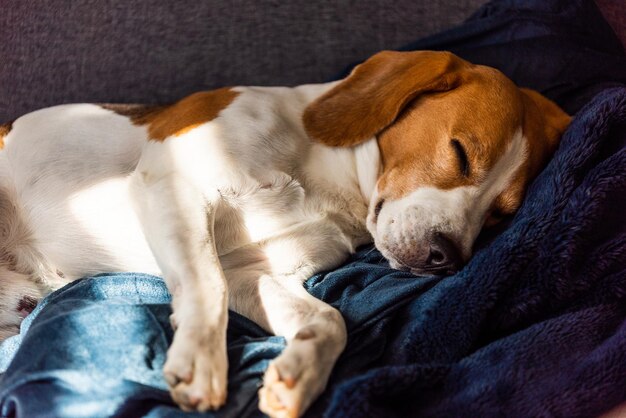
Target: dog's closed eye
461,156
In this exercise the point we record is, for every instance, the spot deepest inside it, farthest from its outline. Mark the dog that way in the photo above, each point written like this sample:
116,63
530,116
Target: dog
237,195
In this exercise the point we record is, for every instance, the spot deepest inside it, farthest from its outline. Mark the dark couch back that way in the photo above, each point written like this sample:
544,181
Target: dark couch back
155,51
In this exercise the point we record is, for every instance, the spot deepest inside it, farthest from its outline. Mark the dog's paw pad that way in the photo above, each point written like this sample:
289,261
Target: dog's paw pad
196,374
277,397
291,381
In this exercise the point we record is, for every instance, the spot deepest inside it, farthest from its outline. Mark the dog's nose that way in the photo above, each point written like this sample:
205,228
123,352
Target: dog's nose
444,256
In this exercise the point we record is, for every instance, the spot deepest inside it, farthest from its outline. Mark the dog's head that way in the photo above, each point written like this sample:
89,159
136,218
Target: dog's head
459,144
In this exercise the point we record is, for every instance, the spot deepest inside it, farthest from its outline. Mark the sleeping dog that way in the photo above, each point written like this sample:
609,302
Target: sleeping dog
236,196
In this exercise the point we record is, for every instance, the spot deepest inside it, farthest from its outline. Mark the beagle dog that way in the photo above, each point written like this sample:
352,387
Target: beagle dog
236,196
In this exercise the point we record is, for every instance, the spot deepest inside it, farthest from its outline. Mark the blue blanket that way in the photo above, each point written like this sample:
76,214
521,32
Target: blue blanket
535,325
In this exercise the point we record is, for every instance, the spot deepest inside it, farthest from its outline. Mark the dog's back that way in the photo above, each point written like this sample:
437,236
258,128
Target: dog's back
66,179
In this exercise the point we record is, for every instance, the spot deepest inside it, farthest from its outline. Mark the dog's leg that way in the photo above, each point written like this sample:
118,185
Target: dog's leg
315,333
178,218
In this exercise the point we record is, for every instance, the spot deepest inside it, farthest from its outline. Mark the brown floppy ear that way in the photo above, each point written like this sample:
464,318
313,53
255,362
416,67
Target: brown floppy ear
371,98
544,124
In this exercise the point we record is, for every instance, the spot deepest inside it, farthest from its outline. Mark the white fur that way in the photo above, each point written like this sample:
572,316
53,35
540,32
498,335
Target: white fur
368,167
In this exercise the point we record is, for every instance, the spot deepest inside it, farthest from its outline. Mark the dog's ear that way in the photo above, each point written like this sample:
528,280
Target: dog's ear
376,91
544,124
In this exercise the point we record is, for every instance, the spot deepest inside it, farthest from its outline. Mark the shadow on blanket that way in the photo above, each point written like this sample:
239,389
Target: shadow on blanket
535,325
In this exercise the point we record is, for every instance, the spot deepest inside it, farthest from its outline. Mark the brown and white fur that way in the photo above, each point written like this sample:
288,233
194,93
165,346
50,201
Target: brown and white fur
236,196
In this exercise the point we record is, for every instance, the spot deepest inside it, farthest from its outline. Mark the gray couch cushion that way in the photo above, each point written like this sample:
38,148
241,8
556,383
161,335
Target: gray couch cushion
154,51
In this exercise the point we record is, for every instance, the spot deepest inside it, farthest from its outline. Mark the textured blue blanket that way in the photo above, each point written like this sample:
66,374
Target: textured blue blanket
535,325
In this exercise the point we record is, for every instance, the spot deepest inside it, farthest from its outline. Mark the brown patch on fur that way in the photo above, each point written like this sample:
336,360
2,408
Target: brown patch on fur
482,114
5,128
376,92
544,124
27,304
180,117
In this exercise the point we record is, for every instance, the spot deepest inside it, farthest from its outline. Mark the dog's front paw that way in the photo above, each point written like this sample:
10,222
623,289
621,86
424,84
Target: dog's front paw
293,381
196,368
